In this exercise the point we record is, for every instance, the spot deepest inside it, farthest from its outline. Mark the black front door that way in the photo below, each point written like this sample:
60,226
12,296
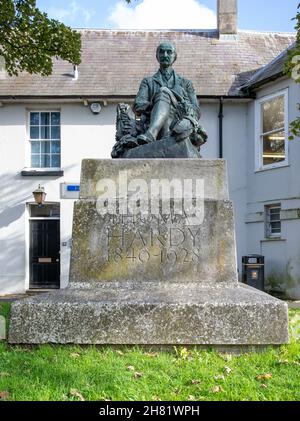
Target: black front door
44,254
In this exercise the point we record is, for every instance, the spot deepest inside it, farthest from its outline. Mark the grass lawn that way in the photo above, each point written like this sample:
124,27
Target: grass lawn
89,373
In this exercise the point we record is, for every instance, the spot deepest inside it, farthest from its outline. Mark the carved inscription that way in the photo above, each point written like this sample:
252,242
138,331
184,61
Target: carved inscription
161,244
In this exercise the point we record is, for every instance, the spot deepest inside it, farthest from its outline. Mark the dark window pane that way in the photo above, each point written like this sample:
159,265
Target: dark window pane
275,210
34,133
273,114
55,161
55,132
47,210
45,132
273,148
55,210
45,119
35,161
55,119
35,147
275,230
275,225
34,119
45,147
274,217
55,147
45,161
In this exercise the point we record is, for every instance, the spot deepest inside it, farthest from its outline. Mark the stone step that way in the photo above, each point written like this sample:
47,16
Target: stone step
156,314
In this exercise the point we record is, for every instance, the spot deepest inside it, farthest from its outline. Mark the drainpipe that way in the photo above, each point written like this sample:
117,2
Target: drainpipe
221,116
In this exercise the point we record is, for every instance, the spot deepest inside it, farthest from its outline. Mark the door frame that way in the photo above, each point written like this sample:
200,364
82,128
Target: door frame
27,240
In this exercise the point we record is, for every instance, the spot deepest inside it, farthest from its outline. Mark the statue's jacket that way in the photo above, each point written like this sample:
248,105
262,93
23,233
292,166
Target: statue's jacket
150,87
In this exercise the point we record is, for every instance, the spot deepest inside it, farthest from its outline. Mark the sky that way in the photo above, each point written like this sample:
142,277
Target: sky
260,15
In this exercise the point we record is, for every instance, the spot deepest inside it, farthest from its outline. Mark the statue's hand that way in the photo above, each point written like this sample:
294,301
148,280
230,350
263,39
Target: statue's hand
199,137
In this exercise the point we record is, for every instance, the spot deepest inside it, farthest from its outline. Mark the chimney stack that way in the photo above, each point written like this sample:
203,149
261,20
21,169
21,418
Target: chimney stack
227,17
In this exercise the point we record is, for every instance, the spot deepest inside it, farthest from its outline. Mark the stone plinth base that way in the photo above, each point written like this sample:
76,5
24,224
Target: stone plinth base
157,277
159,314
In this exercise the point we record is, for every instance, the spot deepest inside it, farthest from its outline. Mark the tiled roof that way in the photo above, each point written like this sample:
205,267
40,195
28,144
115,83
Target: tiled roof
269,72
114,62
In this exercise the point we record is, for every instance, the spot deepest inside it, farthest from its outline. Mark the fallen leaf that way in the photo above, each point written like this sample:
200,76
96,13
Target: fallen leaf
4,395
217,389
77,394
227,369
184,353
156,398
74,354
103,398
192,398
118,351
266,376
151,354
264,386
219,377
196,381
227,357
130,368
283,362
4,374
137,375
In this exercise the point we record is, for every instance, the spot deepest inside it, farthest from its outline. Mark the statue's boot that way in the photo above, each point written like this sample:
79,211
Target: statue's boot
145,138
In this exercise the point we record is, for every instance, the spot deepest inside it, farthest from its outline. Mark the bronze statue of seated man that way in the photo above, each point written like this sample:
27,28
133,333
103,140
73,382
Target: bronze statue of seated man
165,106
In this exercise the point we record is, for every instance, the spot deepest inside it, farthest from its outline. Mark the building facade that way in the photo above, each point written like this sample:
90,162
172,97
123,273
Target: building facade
48,125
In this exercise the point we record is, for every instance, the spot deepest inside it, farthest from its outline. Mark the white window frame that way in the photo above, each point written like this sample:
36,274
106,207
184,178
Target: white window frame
28,140
259,166
268,231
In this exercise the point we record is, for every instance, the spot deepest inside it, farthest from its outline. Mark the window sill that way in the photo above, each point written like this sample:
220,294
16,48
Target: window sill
29,172
275,167
272,239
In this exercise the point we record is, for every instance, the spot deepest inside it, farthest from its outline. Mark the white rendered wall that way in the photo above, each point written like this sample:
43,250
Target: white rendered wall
234,151
278,185
85,135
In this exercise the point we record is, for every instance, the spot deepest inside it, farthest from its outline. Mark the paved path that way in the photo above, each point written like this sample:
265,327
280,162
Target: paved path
14,297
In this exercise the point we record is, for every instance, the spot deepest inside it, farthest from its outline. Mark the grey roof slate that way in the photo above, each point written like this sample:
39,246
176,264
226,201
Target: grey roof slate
271,71
114,62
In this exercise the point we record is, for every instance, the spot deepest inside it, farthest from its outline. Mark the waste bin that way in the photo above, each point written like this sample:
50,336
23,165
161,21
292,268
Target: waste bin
253,273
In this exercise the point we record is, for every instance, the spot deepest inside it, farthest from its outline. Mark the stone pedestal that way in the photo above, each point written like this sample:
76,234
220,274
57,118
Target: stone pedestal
156,277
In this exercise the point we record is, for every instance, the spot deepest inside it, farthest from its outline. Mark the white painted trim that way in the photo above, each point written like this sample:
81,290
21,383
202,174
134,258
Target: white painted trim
268,233
44,218
27,245
28,141
258,124
42,169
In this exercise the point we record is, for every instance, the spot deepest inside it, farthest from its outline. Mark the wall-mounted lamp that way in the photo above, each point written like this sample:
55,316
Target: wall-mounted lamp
39,195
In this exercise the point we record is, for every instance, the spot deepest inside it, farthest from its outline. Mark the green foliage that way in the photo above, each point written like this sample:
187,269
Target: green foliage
292,69
295,127
90,373
29,39
5,310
